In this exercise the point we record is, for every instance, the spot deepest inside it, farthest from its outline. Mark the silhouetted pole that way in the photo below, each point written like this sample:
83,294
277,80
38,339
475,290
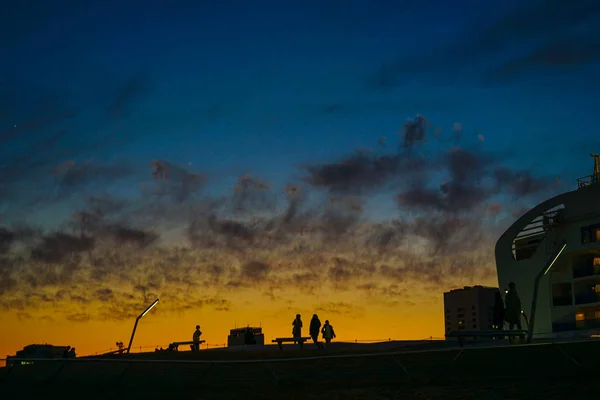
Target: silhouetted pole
536,287
136,323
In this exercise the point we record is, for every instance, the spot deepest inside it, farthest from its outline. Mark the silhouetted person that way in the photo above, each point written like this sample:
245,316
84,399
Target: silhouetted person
66,352
328,332
315,328
297,327
249,337
513,307
71,353
196,339
498,312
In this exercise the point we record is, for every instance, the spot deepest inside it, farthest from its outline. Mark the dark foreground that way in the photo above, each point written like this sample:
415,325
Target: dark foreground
549,371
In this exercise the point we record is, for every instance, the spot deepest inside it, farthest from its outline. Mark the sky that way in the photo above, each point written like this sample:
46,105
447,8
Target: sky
247,161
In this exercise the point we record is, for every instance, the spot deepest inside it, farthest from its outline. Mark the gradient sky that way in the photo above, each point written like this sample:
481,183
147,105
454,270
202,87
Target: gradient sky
346,210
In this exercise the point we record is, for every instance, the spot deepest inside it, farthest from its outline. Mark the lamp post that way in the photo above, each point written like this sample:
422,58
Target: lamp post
536,286
136,323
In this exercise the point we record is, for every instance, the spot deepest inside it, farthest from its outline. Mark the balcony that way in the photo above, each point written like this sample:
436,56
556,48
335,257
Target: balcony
526,243
562,301
563,326
587,298
587,181
576,325
586,271
588,324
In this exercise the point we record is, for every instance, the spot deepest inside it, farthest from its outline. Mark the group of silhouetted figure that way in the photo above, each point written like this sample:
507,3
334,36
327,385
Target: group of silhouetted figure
249,338
507,310
314,330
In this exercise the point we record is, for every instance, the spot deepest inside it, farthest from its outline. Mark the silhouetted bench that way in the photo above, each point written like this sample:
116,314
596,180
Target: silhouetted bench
175,345
299,340
462,335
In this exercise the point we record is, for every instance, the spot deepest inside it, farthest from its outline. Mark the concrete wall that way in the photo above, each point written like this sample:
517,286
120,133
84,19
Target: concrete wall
582,208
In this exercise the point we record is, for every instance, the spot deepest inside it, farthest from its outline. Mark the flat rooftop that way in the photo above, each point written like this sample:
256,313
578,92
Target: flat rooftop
563,369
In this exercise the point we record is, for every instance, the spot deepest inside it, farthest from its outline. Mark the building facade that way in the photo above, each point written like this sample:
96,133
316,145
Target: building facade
568,301
469,308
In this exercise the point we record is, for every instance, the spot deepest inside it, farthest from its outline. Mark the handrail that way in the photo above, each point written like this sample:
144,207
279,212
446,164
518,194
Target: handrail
587,180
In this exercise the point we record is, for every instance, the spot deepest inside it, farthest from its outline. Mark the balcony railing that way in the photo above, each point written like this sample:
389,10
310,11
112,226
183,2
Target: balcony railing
587,298
588,180
576,325
588,324
563,326
585,271
562,301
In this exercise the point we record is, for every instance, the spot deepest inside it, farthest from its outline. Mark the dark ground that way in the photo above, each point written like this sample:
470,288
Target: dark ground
549,371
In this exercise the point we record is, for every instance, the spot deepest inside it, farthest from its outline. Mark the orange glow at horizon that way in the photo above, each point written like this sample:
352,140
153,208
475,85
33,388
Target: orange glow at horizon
363,322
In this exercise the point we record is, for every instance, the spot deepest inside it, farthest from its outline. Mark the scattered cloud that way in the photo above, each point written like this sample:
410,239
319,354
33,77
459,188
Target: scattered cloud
114,256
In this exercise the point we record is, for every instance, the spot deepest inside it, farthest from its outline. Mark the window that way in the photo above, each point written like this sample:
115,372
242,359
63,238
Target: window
580,320
590,234
562,294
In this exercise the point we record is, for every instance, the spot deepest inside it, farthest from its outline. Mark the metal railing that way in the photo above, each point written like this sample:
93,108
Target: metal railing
587,180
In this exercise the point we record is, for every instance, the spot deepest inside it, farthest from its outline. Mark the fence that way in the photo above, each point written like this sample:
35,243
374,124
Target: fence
207,346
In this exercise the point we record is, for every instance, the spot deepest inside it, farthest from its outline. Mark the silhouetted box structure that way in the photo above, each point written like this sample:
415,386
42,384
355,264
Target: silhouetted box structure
469,308
37,351
237,336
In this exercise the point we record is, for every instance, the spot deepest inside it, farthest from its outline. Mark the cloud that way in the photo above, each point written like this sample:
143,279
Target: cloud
255,271
554,32
126,95
71,176
175,182
472,179
78,317
112,257
341,309
362,172
57,247
553,56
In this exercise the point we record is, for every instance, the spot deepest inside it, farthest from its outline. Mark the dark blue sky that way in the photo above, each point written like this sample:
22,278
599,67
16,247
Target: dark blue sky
227,88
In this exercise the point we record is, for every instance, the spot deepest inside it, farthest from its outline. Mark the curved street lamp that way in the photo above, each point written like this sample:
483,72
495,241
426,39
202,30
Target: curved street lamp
136,323
536,287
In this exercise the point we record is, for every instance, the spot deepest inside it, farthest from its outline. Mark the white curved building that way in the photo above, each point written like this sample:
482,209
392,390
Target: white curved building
568,300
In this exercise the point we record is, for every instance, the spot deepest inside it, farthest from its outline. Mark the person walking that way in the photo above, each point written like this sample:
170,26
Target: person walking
328,332
315,328
297,327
